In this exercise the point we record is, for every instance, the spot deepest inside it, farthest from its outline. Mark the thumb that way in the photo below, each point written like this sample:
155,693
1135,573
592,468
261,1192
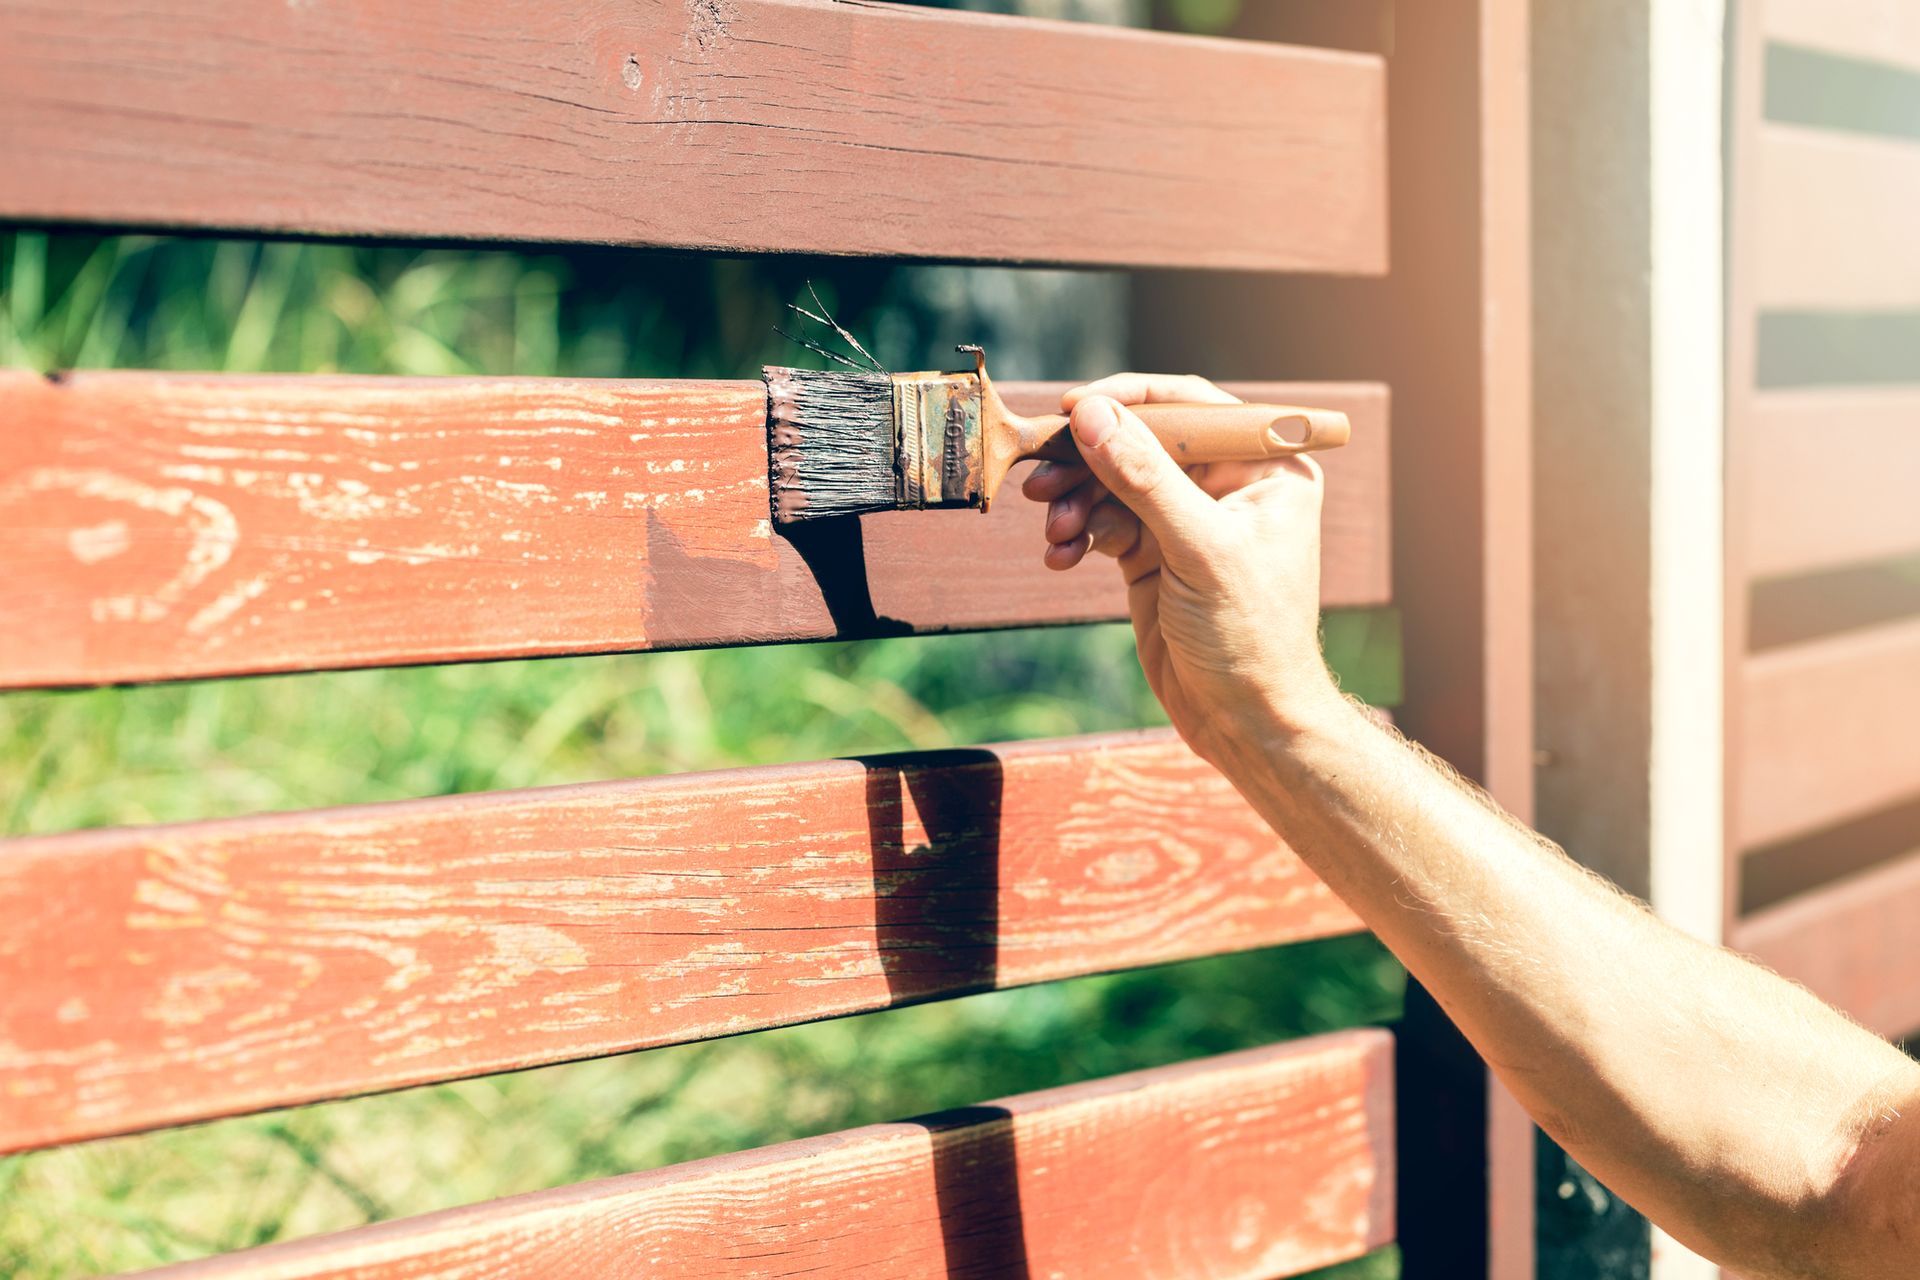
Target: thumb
1137,469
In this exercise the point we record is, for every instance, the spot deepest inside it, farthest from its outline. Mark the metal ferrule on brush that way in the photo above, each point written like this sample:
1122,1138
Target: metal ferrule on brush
938,418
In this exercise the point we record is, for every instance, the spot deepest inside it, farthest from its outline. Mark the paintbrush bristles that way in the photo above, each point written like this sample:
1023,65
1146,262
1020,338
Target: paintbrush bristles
843,443
832,447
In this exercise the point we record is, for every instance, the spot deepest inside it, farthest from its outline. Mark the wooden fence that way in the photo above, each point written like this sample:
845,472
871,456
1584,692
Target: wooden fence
181,525
1823,471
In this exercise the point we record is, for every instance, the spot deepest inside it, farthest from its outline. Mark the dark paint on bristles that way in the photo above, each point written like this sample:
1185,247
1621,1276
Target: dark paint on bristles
831,442
832,447
835,441
858,439
862,439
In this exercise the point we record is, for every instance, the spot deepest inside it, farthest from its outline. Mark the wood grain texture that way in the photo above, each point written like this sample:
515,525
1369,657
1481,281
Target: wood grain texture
162,526
1835,220
751,125
1833,479
1242,1167
1876,30
164,974
1828,732
1851,943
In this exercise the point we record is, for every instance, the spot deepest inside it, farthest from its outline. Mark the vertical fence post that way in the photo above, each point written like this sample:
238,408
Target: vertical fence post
1628,487
1449,330
1458,115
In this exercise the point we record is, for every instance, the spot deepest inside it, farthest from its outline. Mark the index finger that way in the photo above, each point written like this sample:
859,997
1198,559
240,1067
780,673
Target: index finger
1150,388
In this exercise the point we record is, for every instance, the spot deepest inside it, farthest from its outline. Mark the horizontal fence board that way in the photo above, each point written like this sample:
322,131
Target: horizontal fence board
1829,732
1835,219
164,974
168,526
1852,944
1875,30
1833,479
1246,1166
749,125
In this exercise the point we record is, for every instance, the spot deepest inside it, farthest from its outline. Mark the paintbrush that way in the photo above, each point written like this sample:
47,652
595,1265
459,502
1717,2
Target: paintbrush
844,442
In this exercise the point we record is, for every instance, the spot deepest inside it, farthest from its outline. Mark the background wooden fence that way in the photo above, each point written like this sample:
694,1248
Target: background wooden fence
1823,474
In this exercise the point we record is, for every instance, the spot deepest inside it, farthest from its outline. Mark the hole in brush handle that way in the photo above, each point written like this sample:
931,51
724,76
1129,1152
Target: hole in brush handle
1291,432
1299,432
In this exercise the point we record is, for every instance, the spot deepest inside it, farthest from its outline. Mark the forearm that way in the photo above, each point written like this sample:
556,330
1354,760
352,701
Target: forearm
1733,1108
1720,1100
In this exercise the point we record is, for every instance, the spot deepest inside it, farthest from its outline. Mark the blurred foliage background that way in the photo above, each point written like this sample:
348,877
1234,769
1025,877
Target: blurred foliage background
212,749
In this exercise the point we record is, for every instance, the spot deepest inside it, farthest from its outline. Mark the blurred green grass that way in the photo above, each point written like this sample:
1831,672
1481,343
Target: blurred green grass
208,749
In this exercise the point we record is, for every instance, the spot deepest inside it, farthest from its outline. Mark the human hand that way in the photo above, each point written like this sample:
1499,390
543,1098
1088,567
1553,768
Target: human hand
1221,561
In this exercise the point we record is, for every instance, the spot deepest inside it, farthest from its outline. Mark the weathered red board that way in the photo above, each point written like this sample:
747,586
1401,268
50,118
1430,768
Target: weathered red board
751,125
160,526
1246,1166
163,974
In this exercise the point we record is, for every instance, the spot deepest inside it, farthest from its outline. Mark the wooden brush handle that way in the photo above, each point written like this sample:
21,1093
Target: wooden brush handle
1243,432
1195,433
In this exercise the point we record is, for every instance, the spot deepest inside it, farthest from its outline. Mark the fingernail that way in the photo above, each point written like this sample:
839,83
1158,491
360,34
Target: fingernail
1055,509
1094,420
1042,471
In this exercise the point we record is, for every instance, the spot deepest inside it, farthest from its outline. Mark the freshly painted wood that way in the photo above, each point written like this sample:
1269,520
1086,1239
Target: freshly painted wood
1246,1166
1829,732
1874,30
1851,943
1833,479
158,975
745,125
162,526
1835,220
